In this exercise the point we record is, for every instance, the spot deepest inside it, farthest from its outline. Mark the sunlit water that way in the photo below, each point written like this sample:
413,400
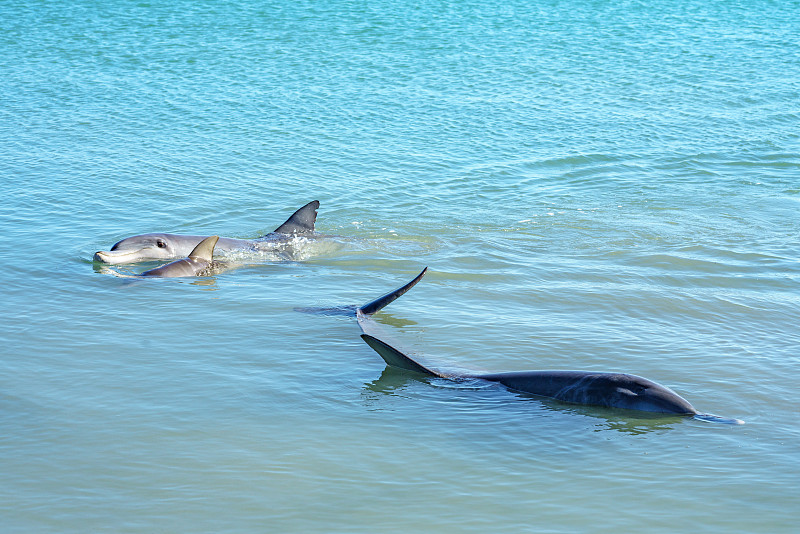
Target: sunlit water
594,185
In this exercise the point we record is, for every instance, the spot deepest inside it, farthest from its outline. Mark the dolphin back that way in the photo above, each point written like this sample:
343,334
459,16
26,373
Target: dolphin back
302,221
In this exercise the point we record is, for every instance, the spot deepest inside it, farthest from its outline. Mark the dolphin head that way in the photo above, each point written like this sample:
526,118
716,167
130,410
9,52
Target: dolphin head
636,393
148,247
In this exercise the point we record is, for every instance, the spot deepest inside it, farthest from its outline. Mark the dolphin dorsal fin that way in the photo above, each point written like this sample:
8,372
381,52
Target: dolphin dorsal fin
302,221
394,357
205,249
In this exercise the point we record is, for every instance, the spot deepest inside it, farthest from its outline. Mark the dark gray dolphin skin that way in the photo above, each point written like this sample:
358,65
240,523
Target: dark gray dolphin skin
610,390
172,246
381,302
197,264
364,311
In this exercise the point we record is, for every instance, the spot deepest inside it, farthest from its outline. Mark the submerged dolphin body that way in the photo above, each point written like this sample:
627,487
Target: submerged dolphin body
172,246
610,390
197,264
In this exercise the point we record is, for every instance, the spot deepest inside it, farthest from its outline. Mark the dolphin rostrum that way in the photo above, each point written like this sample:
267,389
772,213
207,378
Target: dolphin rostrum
610,390
172,246
198,263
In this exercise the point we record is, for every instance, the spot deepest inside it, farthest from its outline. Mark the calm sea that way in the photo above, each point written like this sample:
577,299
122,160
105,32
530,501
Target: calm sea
594,185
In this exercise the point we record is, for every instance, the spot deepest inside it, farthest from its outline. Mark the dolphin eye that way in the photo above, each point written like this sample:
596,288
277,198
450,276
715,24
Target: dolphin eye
161,243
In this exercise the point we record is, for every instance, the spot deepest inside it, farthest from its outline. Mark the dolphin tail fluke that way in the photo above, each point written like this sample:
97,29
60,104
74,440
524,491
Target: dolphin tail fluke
302,221
380,303
205,248
394,357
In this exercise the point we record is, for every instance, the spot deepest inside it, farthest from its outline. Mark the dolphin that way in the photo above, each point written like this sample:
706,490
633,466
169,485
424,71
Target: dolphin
592,388
172,246
365,310
198,263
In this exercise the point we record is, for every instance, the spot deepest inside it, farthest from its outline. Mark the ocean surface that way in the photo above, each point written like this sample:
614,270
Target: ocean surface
594,185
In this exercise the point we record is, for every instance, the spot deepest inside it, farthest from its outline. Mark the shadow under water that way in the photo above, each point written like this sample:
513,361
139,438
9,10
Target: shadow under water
350,311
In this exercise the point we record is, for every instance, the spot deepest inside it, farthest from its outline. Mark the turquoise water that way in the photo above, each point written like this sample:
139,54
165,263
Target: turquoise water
594,185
